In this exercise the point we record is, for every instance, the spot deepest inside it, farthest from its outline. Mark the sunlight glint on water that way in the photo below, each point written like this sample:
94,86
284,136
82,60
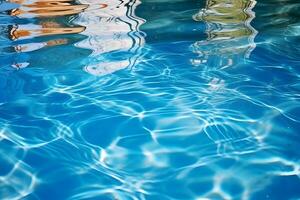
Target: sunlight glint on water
149,99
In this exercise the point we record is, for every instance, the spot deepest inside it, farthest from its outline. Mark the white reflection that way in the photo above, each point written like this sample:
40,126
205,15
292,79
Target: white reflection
111,27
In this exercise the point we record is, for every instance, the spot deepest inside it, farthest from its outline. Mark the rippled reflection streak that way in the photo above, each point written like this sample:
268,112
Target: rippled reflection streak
230,35
111,27
113,35
46,8
29,25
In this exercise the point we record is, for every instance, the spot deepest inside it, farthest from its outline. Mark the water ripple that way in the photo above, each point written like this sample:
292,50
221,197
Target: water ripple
149,100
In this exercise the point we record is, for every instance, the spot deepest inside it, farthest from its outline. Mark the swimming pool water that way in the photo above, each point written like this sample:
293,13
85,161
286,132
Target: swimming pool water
150,99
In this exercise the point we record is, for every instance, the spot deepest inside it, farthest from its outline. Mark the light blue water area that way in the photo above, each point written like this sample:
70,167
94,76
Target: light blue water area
150,100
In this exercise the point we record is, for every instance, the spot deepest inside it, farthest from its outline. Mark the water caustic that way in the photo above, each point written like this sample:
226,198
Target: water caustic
149,99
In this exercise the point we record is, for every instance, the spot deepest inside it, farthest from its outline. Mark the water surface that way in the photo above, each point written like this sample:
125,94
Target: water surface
151,99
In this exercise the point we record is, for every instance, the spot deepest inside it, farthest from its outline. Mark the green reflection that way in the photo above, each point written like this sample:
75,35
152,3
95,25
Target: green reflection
230,37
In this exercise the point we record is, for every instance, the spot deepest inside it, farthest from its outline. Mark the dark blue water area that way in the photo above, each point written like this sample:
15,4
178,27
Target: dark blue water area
150,100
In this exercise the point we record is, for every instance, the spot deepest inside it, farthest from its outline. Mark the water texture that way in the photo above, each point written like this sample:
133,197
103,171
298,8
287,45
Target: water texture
150,99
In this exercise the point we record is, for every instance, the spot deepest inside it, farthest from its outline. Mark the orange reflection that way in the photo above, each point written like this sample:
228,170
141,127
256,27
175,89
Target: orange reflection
44,8
47,8
44,29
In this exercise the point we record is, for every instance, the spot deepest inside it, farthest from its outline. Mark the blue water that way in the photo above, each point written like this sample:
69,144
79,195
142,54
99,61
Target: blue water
150,99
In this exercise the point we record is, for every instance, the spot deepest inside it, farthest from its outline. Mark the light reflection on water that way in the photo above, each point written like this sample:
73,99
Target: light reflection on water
230,34
149,100
112,28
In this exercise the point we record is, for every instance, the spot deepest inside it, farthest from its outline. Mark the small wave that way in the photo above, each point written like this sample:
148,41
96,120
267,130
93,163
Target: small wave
112,112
